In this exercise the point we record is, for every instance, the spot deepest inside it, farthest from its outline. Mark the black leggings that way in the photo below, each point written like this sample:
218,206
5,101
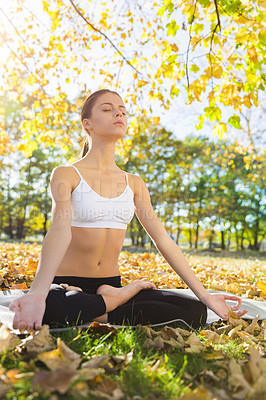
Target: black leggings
148,306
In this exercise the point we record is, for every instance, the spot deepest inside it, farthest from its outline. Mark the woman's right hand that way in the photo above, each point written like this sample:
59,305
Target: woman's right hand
29,310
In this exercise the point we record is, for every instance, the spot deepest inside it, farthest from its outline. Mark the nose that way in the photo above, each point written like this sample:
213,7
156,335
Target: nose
119,112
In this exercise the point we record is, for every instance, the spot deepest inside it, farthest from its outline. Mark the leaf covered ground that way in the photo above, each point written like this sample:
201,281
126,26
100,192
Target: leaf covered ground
226,360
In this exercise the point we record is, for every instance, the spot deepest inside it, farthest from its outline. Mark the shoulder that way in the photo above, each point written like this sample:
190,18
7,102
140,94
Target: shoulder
63,171
138,185
137,180
64,174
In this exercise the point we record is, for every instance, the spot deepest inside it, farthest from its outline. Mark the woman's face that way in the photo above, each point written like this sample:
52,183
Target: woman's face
108,109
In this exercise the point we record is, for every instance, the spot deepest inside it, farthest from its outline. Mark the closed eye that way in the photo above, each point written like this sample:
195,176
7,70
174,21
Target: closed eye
111,110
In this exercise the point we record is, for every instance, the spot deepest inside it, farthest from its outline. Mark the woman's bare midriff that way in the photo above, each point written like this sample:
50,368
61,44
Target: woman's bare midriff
92,252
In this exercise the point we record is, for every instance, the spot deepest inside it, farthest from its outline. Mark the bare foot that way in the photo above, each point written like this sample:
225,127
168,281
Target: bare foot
114,297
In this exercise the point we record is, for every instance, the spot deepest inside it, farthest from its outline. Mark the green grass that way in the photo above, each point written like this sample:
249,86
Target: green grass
176,373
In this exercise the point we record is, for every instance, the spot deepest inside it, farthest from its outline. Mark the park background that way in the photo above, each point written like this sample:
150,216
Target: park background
205,176
192,75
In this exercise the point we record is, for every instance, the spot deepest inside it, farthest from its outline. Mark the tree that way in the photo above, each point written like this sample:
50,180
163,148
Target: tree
46,59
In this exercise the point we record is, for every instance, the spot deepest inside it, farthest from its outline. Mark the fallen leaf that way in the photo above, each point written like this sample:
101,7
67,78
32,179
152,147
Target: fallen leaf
96,361
199,393
213,337
253,326
8,340
158,343
233,333
57,380
90,373
60,358
195,345
262,286
39,342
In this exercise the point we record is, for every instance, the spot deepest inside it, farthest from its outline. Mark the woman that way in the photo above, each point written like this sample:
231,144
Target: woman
78,278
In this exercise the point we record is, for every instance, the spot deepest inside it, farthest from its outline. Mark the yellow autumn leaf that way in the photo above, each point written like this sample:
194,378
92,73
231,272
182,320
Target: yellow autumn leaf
156,120
252,53
219,129
262,286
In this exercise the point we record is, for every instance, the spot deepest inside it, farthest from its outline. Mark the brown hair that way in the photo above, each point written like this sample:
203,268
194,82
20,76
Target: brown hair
86,113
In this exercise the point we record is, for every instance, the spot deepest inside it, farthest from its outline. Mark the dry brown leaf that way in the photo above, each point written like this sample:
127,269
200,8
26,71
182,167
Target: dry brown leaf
199,393
253,326
208,374
169,332
183,331
90,373
60,358
262,335
102,328
252,381
8,340
253,367
148,330
195,345
108,389
246,337
173,343
96,361
158,343
233,332
57,380
224,329
122,359
213,337
116,395
234,320
40,341
260,386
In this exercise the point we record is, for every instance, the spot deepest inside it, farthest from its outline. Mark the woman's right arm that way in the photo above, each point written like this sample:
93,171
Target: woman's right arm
30,308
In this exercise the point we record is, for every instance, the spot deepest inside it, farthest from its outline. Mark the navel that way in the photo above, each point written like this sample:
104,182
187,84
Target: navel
99,262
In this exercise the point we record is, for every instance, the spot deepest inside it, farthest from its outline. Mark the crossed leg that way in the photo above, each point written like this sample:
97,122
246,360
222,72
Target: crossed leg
130,303
113,296
154,306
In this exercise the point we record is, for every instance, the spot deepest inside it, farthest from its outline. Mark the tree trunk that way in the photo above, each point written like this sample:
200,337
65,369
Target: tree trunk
45,223
228,239
10,227
211,238
190,238
178,234
256,233
223,240
242,238
237,238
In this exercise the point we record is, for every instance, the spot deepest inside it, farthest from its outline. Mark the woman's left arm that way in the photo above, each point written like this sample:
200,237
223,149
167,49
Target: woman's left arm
173,254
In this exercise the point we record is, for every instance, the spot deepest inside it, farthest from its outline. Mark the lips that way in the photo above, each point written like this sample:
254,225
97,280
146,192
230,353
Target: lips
118,122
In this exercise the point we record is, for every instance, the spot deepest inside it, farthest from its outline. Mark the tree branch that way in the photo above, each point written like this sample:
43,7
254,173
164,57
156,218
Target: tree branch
106,37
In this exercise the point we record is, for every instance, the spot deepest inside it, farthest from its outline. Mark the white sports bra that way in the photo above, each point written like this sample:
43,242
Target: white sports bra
90,210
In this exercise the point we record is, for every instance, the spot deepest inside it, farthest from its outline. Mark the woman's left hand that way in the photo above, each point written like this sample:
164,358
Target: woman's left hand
216,302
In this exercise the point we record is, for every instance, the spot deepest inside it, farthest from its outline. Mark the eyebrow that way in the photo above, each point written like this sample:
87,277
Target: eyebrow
112,104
